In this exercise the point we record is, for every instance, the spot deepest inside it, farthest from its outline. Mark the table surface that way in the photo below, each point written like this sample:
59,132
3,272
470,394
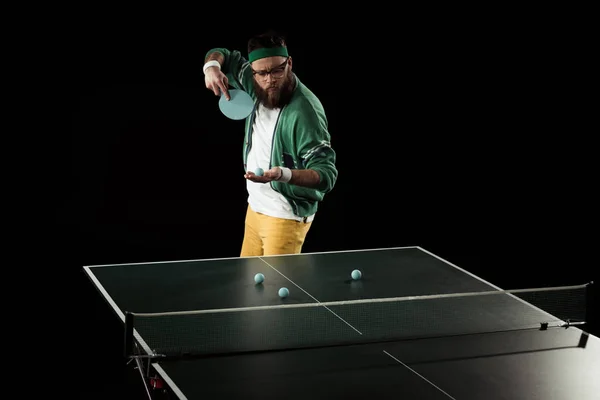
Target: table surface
488,360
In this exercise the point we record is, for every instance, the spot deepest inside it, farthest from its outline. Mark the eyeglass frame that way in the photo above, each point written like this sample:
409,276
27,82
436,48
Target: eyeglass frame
280,69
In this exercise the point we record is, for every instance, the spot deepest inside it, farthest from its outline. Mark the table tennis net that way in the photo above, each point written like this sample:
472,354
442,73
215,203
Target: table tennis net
289,326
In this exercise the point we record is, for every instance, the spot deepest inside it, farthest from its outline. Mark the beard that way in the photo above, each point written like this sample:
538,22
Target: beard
276,98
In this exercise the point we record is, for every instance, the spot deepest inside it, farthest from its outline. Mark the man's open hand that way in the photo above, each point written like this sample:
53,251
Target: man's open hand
268,176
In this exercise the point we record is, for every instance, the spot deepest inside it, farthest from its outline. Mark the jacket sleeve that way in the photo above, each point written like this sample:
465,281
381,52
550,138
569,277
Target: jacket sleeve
316,153
237,69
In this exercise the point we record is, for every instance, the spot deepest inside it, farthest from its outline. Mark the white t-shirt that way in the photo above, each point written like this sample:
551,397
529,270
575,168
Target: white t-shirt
261,197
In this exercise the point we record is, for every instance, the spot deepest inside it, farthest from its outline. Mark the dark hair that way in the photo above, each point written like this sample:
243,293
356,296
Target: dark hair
267,39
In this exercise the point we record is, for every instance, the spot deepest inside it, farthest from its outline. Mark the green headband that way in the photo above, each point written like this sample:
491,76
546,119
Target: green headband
267,52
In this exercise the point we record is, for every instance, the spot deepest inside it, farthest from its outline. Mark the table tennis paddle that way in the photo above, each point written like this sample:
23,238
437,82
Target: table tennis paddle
239,106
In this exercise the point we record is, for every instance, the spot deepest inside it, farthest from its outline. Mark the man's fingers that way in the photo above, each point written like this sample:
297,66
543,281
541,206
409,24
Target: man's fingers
224,90
251,176
212,87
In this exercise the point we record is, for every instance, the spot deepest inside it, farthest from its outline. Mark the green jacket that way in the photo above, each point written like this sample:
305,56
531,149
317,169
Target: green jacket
301,139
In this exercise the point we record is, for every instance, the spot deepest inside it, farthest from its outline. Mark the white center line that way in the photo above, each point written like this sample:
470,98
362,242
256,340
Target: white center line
422,377
294,283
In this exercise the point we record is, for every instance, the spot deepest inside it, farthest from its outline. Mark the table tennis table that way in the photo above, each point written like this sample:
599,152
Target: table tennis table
414,326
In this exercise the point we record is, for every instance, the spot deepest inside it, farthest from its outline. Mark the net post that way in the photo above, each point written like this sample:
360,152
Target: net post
128,348
590,313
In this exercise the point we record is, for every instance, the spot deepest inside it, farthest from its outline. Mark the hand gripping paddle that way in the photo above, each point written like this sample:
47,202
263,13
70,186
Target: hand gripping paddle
239,106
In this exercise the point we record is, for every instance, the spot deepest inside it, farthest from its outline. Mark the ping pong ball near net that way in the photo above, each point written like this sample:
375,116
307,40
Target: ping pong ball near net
283,292
259,278
356,274
259,171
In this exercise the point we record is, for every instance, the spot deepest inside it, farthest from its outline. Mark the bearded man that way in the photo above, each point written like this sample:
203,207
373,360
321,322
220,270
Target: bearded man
286,135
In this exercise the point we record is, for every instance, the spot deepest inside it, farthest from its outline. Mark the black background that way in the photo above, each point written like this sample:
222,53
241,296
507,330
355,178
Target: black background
461,135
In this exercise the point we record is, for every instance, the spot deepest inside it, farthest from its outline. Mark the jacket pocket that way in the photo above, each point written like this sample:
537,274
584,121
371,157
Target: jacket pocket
288,161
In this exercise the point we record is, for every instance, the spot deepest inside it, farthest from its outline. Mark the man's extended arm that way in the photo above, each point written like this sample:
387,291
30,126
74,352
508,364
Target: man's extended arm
299,177
234,66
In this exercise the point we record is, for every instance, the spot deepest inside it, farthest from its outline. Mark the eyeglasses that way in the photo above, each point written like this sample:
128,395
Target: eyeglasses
276,72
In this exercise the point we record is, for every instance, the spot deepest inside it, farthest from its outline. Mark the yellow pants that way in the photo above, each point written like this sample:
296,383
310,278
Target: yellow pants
265,235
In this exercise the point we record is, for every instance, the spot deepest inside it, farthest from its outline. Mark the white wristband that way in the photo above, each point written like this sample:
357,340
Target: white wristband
286,175
211,63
